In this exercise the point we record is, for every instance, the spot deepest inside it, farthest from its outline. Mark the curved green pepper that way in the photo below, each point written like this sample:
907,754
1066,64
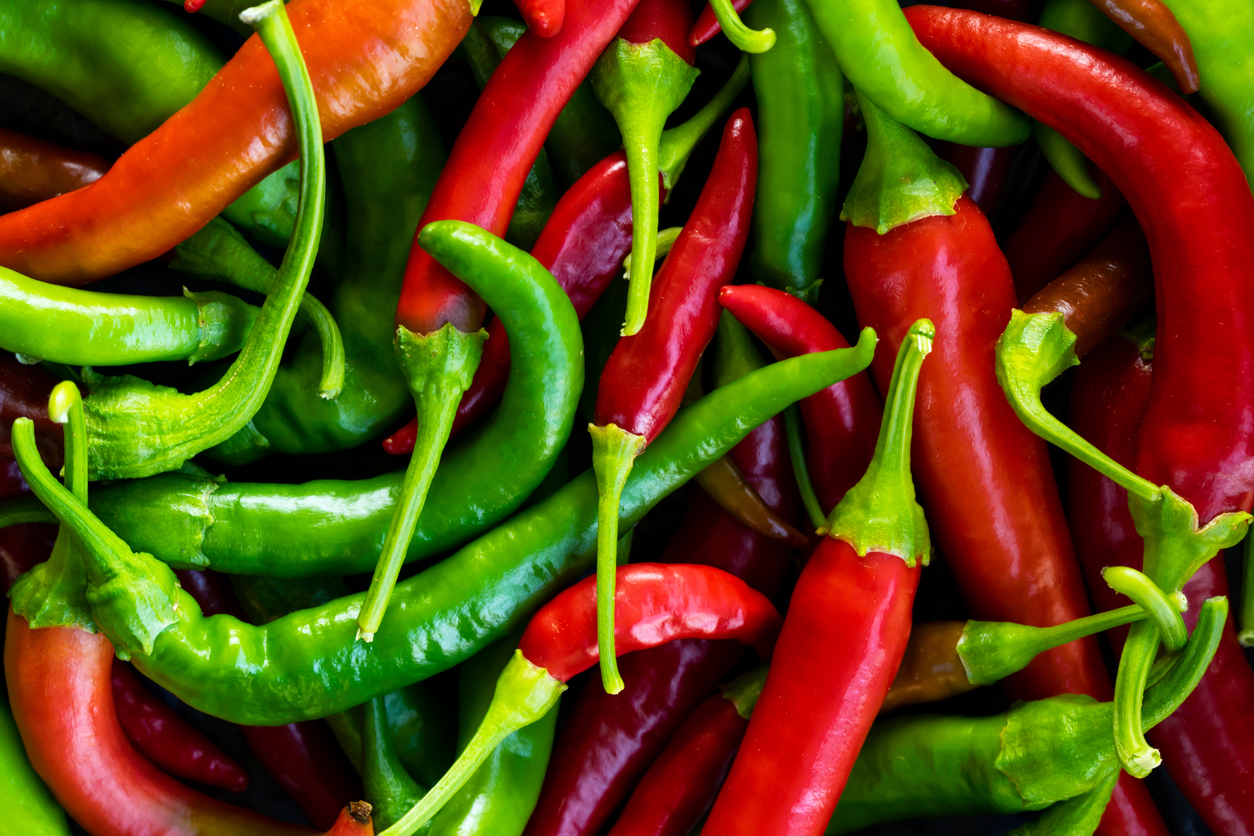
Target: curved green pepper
308,664
29,807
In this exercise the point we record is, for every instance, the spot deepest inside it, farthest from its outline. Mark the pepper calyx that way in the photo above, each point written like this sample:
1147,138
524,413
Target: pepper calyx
224,322
880,513
744,690
1175,546
901,179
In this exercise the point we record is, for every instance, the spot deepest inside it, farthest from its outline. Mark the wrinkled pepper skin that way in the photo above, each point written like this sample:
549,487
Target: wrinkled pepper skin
32,170
1198,432
998,517
170,183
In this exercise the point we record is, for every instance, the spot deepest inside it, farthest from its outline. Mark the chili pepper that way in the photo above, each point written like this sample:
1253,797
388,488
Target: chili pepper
1109,397
513,281
1036,754
809,728
644,380
844,418
583,245
801,109
24,392
641,78
391,789
43,321
1187,430
1153,26
499,797
1219,32
354,820
175,179
660,603
1104,290
167,739
307,764
139,429
32,170
1060,226
997,517
450,611
609,741
30,808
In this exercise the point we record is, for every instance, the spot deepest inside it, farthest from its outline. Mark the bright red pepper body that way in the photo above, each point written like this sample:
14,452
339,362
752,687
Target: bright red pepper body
668,20
495,150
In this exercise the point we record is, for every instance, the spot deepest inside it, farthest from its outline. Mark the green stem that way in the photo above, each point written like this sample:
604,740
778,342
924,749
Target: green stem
65,406
1161,608
800,468
439,368
614,451
678,142
880,514
666,239
1137,756
1032,351
524,694
1168,694
745,39
1246,636
992,650
744,690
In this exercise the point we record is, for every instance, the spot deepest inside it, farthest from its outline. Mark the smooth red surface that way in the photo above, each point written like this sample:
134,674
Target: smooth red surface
837,654
1061,225
495,150
609,741
1108,401
645,378
707,25
32,170
62,700
544,17
683,781
583,245
167,739
1196,210
309,765
655,603
843,420
365,60
985,170
669,20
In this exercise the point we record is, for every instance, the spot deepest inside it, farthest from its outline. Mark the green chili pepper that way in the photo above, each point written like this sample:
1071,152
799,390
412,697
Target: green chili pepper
879,54
307,664
29,808
499,797
389,788
136,428
801,113
44,321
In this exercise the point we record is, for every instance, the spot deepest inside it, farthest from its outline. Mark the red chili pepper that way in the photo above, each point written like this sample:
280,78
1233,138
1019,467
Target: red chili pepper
644,380
32,170
1108,401
843,420
167,739
984,169
354,820
609,741
1155,27
24,392
60,691
544,17
1061,225
842,640
1200,417
489,161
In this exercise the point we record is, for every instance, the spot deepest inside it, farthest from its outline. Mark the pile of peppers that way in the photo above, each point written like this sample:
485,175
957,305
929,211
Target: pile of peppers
373,373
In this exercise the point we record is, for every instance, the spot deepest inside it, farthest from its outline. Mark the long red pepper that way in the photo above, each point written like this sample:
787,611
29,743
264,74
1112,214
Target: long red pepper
365,59
842,640
997,517
544,17
1198,433
1061,225
32,170
609,741
644,380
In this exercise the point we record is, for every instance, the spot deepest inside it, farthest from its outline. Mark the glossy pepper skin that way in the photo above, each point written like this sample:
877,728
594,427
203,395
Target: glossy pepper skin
31,808
24,392
1152,24
32,170
507,572
609,741
1151,143
203,164
496,148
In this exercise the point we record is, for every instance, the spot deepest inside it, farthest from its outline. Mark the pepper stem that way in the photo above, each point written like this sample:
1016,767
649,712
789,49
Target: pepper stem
745,39
1246,636
1163,609
524,693
880,514
614,451
641,85
993,650
1174,688
678,142
1137,756
438,368
801,468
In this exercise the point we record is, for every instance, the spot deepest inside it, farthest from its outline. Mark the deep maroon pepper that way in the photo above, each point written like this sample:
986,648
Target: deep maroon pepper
21,546
24,392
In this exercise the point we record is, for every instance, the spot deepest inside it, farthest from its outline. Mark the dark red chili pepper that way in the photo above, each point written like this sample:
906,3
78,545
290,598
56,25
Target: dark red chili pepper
21,546
645,378
167,739
609,741
32,170
985,170
1061,225
1155,27
1198,433
24,392
844,636
843,419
